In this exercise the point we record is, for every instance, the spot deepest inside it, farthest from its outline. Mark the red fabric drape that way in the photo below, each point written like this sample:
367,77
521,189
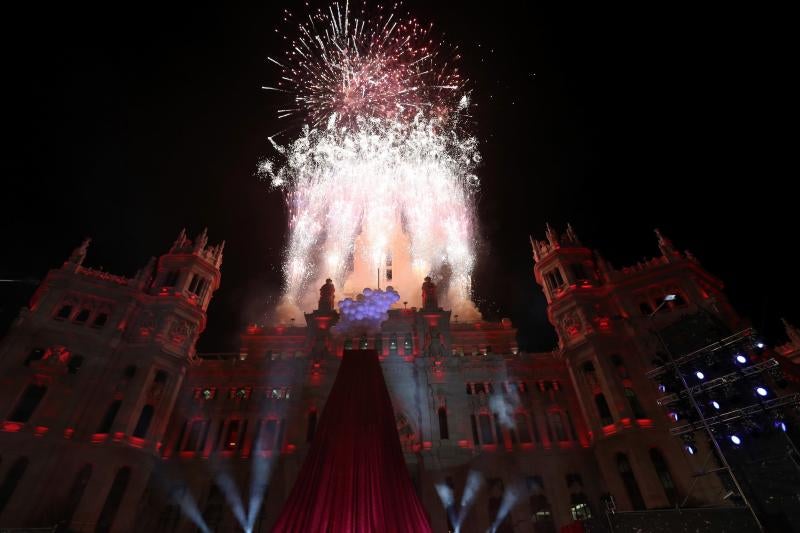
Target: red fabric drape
354,478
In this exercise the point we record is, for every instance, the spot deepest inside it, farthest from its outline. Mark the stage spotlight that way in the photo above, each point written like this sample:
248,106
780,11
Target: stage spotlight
761,391
673,415
741,359
690,449
735,439
760,345
700,375
780,424
715,404
662,387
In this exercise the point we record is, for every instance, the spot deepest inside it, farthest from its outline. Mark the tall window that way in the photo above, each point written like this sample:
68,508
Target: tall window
108,418
215,508
522,428
602,409
193,442
312,425
113,500
495,499
579,507
619,365
11,481
64,312
171,279
35,354
660,464
485,422
75,363
232,436
444,432
558,426
27,403
268,432
475,440
144,421
76,493
629,480
633,401
540,507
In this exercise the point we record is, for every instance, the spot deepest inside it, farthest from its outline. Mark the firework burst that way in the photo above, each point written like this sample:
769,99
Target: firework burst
384,167
355,66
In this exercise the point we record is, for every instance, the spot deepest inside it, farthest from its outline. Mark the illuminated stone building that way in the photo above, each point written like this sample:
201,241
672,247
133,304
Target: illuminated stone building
112,422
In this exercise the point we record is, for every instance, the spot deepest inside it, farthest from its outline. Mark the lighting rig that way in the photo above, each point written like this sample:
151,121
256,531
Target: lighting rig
732,391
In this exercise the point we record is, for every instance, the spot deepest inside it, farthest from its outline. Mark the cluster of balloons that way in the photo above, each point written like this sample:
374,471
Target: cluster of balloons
367,312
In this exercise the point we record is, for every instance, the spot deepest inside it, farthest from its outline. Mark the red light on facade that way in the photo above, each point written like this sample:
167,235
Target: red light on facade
40,431
136,442
463,444
252,329
99,438
186,454
427,445
644,422
626,422
290,448
68,433
11,427
118,436
609,429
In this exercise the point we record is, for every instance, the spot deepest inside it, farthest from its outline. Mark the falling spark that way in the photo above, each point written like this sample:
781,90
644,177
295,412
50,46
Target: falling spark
385,151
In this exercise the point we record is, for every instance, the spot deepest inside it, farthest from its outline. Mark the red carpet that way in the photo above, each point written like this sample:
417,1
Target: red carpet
354,478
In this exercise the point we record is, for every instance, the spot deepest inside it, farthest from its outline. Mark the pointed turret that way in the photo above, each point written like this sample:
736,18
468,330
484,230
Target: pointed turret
552,236
792,331
665,245
572,237
537,251
79,254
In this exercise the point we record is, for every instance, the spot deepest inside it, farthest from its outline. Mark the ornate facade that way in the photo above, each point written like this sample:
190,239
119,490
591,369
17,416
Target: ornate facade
112,422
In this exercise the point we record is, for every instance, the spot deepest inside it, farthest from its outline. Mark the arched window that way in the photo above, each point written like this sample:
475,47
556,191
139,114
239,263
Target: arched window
11,481
589,373
312,425
144,421
444,432
660,464
83,315
76,493
633,401
579,507
619,364
75,363
113,500
64,312
35,354
629,480
27,403
602,409
108,419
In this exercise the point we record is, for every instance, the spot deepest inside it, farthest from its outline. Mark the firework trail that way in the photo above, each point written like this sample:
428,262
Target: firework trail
384,166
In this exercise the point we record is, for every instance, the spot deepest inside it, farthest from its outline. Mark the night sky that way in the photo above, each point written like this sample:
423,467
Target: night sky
128,123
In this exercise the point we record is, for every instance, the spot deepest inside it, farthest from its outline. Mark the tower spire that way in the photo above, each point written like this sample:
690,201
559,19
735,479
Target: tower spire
79,254
665,245
792,331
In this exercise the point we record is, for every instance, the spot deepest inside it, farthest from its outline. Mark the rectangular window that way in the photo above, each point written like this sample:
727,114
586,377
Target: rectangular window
232,436
579,272
486,429
476,441
193,440
522,428
27,403
498,429
267,437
